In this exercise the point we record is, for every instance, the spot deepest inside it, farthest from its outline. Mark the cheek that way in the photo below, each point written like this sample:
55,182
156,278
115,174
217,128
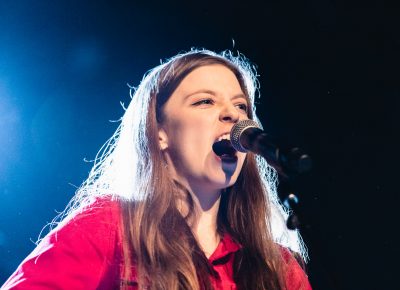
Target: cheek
189,138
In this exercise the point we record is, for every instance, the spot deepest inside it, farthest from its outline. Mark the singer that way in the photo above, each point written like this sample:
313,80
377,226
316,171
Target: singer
160,209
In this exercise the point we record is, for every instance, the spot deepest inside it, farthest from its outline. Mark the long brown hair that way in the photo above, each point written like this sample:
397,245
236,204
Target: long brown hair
166,254
157,241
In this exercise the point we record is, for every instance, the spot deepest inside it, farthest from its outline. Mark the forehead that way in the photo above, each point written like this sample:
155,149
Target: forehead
215,76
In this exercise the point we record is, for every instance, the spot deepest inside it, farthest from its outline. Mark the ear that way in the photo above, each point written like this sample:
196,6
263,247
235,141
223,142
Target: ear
163,139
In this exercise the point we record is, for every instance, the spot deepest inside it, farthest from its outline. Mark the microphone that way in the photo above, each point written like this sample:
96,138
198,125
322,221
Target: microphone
246,135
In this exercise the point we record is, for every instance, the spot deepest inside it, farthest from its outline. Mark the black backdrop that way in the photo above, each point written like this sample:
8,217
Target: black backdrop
328,78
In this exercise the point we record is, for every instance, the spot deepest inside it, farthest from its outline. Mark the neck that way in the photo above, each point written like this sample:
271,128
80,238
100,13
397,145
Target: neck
204,220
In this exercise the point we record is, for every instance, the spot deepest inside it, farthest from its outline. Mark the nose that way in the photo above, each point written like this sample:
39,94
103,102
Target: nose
229,113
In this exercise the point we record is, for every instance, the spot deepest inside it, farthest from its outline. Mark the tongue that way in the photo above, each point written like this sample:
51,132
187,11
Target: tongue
224,148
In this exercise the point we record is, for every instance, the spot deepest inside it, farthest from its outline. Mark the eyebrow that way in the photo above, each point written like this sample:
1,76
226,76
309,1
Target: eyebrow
205,91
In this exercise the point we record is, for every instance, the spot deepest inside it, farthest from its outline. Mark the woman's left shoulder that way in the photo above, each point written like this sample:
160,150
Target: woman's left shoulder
296,277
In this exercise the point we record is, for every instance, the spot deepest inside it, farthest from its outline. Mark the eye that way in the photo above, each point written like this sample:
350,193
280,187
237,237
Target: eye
204,102
242,107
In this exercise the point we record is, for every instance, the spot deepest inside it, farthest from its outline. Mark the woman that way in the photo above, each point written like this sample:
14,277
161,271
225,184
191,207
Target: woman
160,210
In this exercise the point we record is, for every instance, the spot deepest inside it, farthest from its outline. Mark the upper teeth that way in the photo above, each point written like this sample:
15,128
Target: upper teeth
224,137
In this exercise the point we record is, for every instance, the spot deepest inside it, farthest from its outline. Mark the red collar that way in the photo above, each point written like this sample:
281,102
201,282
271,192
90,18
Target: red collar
225,247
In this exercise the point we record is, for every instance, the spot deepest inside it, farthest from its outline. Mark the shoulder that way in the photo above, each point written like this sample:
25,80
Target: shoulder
82,252
99,219
90,234
296,278
104,212
98,224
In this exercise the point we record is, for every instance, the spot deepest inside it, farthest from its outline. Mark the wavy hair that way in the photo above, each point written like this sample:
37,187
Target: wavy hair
130,167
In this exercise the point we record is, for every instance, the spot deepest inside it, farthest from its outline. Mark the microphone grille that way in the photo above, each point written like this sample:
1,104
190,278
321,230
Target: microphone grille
237,131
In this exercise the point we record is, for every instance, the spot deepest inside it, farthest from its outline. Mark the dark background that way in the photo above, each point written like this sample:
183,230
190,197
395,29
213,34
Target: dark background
328,74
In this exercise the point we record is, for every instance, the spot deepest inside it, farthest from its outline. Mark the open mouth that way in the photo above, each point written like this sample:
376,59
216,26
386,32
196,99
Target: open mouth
225,151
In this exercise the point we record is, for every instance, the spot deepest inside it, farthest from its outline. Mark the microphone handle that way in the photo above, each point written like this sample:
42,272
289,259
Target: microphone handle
293,160
255,140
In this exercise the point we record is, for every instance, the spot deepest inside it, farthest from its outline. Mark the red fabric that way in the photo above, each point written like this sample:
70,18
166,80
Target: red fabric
86,253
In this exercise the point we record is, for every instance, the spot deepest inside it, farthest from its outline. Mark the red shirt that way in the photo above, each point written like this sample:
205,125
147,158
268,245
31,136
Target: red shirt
86,253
